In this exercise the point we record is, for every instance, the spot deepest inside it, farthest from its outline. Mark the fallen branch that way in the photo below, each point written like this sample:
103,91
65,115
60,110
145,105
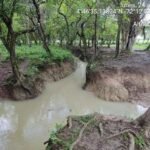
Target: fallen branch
80,134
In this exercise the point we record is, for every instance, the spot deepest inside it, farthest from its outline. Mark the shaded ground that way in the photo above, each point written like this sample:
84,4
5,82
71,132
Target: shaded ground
97,132
124,79
52,72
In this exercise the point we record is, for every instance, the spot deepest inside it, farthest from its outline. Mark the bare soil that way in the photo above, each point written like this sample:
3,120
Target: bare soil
52,72
124,79
97,132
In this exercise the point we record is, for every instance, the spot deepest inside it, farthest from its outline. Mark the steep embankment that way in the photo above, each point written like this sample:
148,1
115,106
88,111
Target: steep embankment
124,79
51,72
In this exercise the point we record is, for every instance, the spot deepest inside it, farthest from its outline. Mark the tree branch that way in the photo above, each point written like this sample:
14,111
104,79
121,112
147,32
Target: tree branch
25,31
13,8
65,17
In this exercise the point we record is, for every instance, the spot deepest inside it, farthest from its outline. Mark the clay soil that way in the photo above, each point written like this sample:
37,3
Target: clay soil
51,72
124,79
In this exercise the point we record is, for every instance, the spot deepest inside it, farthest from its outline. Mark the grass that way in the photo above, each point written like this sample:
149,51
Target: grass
37,56
37,52
137,46
140,46
139,141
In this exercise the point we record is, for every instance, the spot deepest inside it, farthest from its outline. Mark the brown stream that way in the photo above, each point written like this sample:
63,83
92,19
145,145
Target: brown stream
25,125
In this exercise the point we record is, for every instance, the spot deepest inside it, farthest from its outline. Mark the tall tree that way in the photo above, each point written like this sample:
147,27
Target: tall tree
40,25
7,10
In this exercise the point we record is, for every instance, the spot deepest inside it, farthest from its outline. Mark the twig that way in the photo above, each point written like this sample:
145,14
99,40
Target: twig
80,134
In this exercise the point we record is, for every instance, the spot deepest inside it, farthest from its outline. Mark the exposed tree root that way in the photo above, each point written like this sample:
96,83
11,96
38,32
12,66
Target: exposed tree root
100,127
120,133
69,122
147,133
104,133
80,134
132,141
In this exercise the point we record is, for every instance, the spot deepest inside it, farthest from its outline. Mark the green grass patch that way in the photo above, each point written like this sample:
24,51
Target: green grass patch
36,52
139,141
140,46
37,56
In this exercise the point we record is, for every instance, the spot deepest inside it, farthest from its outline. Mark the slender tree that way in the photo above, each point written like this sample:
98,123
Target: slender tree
9,38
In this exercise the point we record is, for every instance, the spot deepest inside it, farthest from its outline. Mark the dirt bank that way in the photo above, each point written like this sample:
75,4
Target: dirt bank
97,132
35,84
123,79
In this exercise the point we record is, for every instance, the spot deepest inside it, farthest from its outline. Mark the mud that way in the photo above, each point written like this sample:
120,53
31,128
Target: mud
36,84
123,79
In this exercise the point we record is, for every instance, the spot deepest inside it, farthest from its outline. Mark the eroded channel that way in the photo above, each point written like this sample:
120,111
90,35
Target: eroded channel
27,124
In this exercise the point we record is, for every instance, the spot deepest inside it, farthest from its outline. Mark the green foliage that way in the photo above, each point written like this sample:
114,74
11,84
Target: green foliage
60,54
139,141
63,143
140,46
85,119
54,138
37,56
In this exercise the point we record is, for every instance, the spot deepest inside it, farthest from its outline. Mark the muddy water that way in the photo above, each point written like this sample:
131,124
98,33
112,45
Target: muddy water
26,125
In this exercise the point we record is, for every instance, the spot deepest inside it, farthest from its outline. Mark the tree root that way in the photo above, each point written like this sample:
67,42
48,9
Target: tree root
100,127
147,133
132,142
81,133
131,135
69,122
120,133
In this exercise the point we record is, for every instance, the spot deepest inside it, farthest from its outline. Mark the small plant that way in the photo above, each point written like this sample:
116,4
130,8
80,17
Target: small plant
139,141
60,54
85,119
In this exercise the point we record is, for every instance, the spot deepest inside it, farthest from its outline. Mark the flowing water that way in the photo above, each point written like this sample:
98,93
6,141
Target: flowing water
25,125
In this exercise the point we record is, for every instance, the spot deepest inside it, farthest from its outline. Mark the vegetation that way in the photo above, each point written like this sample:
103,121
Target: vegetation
43,32
37,56
69,23
102,131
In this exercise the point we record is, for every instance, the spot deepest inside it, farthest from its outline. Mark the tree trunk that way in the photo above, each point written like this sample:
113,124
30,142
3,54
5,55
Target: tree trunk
118,36
88,43
148,48
80,42
124,38
14,64
95,35
10,46
144,120
84,45
40,28
131,36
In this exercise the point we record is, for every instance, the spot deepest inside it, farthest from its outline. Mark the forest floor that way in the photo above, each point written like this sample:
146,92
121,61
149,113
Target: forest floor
126,78
97,132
